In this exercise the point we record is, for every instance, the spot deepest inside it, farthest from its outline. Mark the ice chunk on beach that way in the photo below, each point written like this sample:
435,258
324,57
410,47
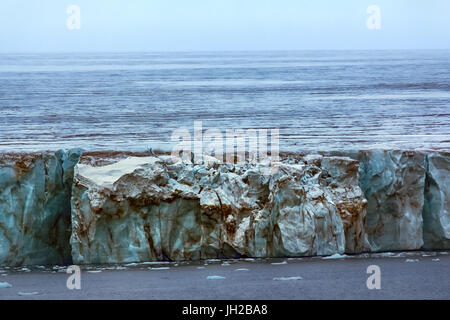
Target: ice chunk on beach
27,293
287,278
335,256
279,263
215,278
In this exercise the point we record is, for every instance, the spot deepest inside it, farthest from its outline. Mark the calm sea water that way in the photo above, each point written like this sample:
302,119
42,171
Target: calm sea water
319,100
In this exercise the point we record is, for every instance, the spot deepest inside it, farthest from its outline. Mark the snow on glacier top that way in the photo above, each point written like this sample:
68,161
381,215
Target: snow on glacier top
107,175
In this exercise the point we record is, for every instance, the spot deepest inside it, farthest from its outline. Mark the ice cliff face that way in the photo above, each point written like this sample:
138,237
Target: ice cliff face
35,207
150,209
408,196
55,208
393,183
436,211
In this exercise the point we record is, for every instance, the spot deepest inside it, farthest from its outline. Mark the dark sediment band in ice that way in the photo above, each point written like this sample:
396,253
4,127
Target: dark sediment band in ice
105,208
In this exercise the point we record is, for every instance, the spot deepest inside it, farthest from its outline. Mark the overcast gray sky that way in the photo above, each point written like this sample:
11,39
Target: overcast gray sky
197,25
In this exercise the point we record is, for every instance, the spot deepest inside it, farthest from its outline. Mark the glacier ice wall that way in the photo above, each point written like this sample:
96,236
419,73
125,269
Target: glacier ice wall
35,194
393,183
436,210
54,208
158,209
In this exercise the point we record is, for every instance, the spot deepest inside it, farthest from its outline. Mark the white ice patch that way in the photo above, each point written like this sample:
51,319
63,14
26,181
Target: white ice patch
242,269
24,270
249,259
335,256
213,260
200,267
95,271
279,263
412,260
287,278
27,293
155,262
437,259
107,175
386,254
5,285
215,278
160,268
133,264
121,268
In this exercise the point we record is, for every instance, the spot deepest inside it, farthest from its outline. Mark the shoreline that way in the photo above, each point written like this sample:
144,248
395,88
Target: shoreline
306,278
